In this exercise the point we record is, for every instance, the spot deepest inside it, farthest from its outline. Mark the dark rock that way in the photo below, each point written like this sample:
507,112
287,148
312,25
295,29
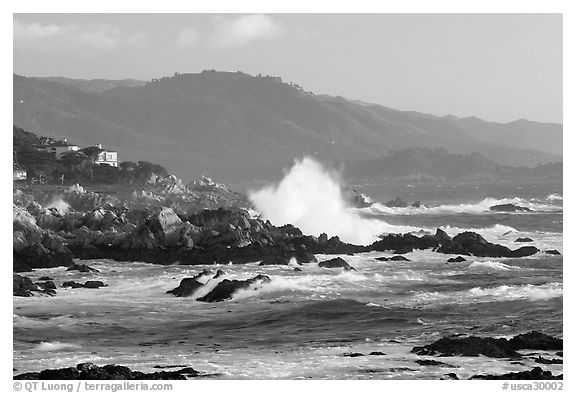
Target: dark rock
186,288
275,260
189,285
398,258
552,252
561,354
450,376
470,243
226,288
94,284
23,286
524,252
457,259
89,371
469,346
542,360
377,353
536,340
297,269
523,240
441,236
509,207
431,362
336,263
46,278
83,268
302,255
72,284
383,259
535,374
353,354
490,347
48,286
416,204
38,256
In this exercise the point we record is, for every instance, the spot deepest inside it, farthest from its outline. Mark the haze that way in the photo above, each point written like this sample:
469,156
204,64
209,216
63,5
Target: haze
500,67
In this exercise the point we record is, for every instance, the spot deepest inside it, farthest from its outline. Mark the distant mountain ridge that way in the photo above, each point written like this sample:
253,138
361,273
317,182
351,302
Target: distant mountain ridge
426,164
236,127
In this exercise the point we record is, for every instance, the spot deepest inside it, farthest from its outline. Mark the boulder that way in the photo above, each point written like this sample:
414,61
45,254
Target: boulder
94,284
226,288
509,207
72,284
302,255
398,258
523,240
166,225
187,287
524,252
457,259
336,263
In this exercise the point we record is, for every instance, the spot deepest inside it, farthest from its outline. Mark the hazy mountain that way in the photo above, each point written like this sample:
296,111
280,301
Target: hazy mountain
521,133
95,85
426,164
236,127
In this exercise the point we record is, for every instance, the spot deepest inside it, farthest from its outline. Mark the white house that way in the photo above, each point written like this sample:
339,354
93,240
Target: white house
107,157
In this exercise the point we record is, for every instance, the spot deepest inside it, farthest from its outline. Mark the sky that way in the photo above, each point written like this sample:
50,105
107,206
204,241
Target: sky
499,67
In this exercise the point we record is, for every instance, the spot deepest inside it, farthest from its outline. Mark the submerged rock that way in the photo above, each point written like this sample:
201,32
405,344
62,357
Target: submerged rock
336,263
432,362
523,240
83,268
398,258
552,252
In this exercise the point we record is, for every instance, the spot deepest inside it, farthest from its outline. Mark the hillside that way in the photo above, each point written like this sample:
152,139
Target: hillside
426,164
237,127
521,133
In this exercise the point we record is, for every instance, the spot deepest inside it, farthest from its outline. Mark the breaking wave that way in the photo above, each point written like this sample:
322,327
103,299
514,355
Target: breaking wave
497,294
482,207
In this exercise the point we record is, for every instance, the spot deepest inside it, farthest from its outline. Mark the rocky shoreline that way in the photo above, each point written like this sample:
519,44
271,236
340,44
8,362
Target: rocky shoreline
50,237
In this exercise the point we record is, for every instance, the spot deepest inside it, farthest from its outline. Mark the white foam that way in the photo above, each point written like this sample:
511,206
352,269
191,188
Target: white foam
481,207
555,197
54,346
496,294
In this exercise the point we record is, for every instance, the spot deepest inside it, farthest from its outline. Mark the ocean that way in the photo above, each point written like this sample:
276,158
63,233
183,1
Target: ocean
302,324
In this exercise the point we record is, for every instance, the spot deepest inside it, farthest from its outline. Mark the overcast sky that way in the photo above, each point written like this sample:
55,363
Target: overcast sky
500,67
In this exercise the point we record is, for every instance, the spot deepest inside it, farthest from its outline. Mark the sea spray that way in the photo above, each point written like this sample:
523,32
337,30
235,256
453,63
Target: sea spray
58,203
310,197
